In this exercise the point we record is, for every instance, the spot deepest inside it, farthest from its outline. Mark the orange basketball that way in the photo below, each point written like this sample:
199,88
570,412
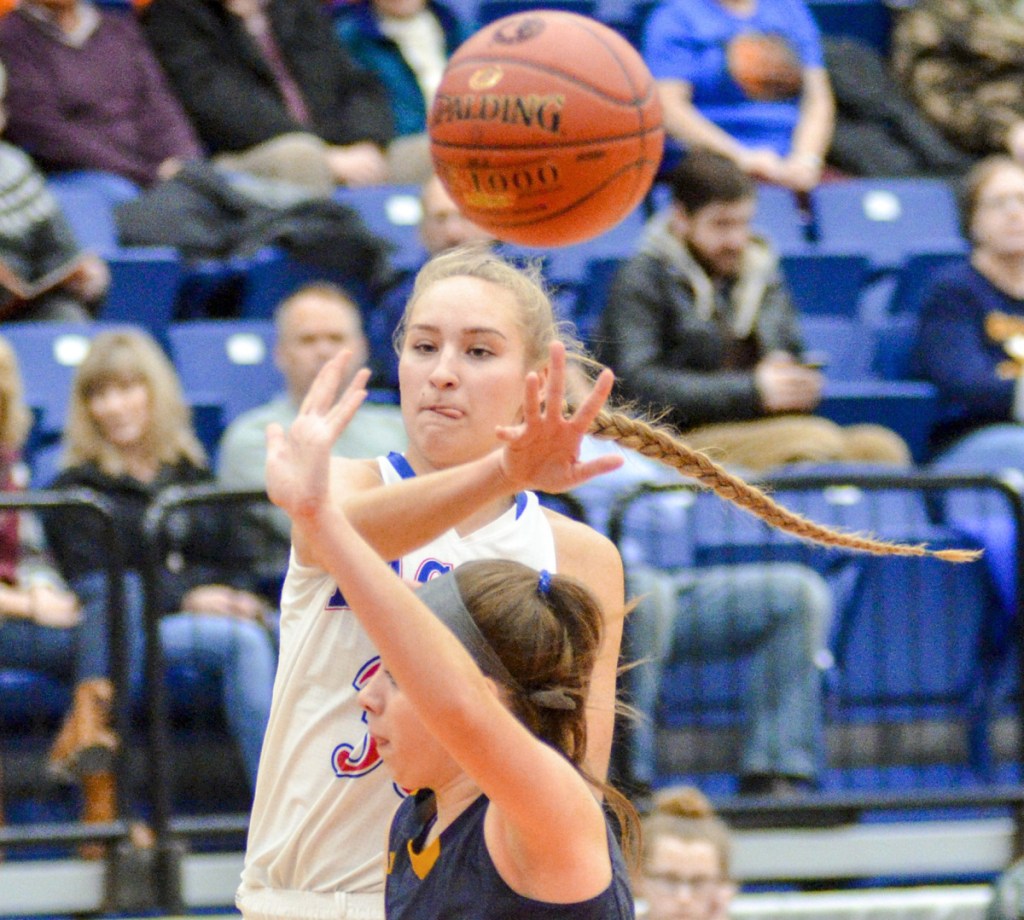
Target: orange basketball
546,129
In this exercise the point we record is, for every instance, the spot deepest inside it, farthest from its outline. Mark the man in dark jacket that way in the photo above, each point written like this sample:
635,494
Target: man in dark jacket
271,91
700,322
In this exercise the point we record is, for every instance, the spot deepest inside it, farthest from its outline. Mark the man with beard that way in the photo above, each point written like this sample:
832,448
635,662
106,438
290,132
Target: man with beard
701,320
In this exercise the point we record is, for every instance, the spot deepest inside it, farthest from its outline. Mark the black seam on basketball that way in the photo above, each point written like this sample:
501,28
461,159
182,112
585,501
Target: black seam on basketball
560,147
634,102
496,221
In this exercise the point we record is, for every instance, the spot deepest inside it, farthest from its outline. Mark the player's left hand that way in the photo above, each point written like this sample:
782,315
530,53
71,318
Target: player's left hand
298,461
543,451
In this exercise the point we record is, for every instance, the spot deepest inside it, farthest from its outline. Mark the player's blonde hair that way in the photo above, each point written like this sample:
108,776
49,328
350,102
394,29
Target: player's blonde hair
128,356
540,328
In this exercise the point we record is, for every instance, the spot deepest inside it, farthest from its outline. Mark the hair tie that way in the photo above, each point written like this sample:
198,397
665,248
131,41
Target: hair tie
552,699
544,583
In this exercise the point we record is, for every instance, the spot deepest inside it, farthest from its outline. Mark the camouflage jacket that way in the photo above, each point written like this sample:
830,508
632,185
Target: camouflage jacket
963,63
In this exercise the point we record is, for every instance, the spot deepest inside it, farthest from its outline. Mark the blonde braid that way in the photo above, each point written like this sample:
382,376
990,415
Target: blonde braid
665,447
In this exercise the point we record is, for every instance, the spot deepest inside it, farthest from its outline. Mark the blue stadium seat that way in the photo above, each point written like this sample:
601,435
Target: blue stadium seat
392,212
843,346
917,270
591,296
825,283
894,342
886,219
225,363
145,283
910,408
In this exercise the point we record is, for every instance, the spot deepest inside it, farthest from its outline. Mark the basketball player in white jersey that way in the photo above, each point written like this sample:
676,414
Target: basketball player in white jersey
482,378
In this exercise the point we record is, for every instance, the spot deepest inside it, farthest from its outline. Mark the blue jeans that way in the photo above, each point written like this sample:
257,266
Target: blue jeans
779,612
236,656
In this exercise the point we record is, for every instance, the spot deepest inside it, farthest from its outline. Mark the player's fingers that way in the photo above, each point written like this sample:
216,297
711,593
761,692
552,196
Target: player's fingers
324,390
531,400
343,410
556,380
598,466
594,400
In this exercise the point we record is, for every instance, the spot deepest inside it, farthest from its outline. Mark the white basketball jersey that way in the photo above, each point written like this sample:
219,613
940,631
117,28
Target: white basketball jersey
323,799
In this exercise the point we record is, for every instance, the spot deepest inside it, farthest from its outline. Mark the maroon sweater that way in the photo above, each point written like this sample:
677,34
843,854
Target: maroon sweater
104,106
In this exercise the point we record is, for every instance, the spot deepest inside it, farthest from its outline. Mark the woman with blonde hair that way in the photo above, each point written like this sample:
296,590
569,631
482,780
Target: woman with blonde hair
685,862
482,377
129,437
39,618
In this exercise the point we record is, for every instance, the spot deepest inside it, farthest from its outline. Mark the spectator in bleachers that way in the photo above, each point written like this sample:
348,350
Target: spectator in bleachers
41,624
272,92
128,438
312,324
747,79
87,94
685,864
701,320
407,43
970,337
35,240
442,227
963,63
777,614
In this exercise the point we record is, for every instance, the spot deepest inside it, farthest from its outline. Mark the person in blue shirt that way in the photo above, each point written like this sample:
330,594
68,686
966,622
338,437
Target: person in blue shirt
745,78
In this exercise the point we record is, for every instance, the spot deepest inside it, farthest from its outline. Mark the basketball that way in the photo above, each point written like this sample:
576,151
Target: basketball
546,128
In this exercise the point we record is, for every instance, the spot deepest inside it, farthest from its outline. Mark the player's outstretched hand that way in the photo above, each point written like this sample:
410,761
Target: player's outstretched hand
298,461
543,452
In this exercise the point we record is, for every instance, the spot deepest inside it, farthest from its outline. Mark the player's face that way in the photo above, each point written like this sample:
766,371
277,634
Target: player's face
998,223
121,411
682,881
413,756
314,329
718,234
461,371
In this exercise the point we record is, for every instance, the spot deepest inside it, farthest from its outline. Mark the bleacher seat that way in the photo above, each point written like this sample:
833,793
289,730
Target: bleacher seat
825,283
886,219
392,212
843,346
144,286
917,270
225,363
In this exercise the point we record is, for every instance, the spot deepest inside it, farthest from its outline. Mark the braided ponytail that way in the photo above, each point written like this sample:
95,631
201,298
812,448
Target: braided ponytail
663,445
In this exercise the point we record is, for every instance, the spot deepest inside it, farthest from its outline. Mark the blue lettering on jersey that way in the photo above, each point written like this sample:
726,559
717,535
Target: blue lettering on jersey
357,760
354,760
337,599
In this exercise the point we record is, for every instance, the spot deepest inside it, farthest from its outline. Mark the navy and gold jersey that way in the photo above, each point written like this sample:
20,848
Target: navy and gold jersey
453,877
